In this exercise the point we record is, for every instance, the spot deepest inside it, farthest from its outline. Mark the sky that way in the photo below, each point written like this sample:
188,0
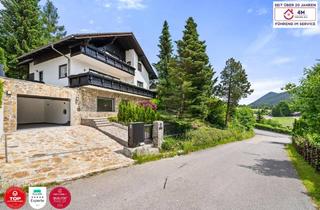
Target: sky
241,29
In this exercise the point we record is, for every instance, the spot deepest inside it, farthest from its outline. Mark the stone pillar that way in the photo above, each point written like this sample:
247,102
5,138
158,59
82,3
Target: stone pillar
157,133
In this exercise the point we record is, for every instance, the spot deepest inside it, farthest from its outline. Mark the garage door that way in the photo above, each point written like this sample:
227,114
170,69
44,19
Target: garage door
42,110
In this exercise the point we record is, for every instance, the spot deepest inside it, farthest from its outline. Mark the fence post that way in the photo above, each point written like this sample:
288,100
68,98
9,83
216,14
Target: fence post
157,133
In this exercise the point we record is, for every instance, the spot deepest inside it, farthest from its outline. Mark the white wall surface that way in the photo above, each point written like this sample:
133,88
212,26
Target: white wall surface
54,111
50,71
35,110
82,63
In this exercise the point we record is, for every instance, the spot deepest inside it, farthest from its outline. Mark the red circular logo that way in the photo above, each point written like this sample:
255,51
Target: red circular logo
60,197
15,197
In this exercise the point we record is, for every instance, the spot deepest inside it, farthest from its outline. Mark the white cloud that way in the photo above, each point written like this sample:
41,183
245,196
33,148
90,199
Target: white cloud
107,5
1,6
91,22
262,11
262,87
263,40
282,60
306,32
131,4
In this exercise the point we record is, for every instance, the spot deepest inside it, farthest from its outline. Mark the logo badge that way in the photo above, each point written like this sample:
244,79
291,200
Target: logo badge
60,197
15,197
37,197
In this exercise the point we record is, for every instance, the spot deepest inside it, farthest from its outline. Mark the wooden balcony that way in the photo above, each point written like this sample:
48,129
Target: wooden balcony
98,80
103,57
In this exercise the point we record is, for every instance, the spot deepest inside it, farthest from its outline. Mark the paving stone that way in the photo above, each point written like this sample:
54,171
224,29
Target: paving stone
58,154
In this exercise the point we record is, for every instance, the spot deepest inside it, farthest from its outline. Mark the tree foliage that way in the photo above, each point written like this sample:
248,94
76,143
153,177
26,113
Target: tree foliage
234,86
24,27
165,56
191,75
307,97
53,31
20,30
282,109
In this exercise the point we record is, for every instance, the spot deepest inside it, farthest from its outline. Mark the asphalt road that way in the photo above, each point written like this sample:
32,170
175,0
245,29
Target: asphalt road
252,174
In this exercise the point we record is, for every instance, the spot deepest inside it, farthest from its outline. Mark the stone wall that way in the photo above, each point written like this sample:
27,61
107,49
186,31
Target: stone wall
13,88
89,101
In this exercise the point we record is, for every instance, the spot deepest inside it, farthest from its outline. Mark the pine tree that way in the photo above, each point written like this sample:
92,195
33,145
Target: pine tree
165,55
3,60
20,31
194,62
177,101
50,19
234,85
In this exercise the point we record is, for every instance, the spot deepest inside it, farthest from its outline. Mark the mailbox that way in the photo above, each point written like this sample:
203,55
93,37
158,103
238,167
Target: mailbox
136,134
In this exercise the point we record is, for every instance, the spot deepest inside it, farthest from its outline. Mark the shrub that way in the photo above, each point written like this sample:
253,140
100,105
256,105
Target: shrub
244,118
271,122
274,129
131,112
281,110
217,113
148,104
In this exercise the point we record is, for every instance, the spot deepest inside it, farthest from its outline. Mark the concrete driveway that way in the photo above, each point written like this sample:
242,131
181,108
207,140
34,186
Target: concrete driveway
252,174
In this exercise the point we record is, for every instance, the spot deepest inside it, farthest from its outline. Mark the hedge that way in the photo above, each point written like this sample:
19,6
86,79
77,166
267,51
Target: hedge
274,129
309,150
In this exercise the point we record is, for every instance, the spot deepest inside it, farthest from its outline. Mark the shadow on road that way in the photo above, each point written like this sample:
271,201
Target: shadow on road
271,167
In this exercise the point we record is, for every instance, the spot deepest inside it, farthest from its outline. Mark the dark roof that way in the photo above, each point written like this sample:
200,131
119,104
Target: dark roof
127,37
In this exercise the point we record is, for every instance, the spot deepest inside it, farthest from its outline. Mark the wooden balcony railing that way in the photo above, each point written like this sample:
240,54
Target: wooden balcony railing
104,57
91,78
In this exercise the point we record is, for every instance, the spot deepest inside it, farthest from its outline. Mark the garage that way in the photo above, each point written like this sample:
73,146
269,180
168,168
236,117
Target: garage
38,112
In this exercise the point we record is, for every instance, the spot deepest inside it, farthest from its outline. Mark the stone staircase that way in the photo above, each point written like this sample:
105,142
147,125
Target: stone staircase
115,131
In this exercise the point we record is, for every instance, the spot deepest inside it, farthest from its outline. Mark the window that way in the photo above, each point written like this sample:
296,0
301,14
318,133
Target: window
41,76
63,71
129,63
139,66
140,84
105,105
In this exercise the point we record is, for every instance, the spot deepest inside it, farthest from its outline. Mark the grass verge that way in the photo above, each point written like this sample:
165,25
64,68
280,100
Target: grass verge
285,121
195,140
308,175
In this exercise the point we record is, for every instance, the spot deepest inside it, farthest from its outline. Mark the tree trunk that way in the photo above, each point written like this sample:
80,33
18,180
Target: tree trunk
228,104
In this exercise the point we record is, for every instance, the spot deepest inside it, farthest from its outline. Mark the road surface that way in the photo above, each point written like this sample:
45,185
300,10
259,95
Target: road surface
252,174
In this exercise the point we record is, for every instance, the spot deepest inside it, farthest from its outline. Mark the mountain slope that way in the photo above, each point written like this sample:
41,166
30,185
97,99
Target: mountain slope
270,99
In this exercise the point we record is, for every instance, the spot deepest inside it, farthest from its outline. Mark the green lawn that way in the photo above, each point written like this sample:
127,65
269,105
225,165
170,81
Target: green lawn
308,175
285,121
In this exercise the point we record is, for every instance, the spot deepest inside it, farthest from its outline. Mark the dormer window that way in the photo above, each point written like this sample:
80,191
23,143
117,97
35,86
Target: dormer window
139,66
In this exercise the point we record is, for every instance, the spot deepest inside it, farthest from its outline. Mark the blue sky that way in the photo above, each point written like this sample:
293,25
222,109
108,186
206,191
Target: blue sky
240,29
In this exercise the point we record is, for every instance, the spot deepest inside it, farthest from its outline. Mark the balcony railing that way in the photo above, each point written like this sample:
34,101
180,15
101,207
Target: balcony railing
104,57
91,78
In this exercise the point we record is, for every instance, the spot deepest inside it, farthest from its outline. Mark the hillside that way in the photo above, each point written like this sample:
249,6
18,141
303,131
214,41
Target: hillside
270,99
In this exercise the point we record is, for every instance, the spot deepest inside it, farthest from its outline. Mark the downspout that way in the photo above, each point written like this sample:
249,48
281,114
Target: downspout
69,61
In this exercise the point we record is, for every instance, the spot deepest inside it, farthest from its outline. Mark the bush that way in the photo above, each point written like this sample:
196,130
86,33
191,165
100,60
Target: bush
309,150
274,129
131,112
244,118
217,113
271,122
281,110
